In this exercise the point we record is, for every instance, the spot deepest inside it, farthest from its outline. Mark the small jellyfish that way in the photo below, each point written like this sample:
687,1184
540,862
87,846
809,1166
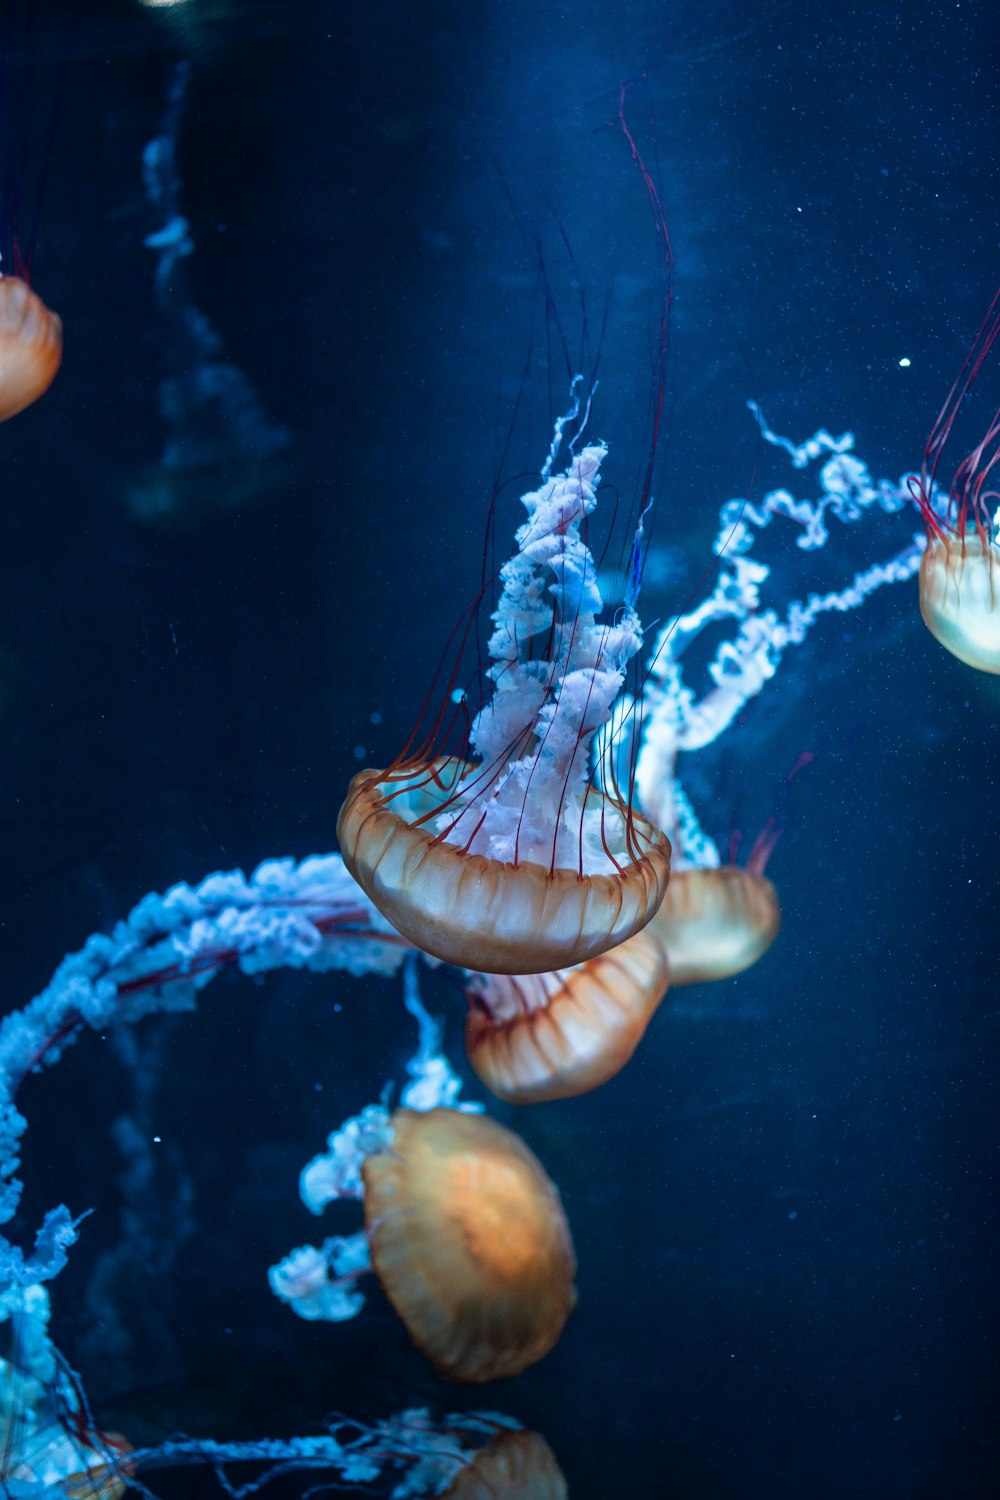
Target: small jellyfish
534,1037
470,1242
31,342
716,921
960,567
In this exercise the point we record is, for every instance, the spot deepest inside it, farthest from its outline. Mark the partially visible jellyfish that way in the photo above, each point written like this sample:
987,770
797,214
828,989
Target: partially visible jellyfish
535,1037
717,921
960,568
517,864
31,342
513,1466
49,1442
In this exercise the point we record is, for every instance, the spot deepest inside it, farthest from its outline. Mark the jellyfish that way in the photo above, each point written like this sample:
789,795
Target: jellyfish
221,448
960,568
463,1229
49,1443
717,921
535,1037
517,864
31,342
513,1466
470,1243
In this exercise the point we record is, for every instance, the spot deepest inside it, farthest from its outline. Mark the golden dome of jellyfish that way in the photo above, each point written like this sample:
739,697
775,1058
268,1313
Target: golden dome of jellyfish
516,1465
31,342
960,567
469,1240
517,864
535,1037
716,922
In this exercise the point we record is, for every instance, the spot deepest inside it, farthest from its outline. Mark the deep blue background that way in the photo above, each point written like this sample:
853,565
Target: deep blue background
784,1209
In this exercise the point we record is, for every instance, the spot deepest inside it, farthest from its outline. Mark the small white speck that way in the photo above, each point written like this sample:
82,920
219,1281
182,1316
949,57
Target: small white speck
904,363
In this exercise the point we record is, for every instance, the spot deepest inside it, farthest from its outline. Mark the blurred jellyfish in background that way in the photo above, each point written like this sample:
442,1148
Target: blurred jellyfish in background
221,452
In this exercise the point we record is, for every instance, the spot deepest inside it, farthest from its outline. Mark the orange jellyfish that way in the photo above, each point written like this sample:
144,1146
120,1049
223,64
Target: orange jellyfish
960,567
517,1465
105,1481
31,342
534,1037
517,864
716,922
470,1243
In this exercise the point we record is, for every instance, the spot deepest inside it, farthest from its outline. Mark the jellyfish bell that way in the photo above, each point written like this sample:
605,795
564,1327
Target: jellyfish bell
516,864
31,343
960,597
535,1037
960,567
716,921
470,1243
516,916
515,1465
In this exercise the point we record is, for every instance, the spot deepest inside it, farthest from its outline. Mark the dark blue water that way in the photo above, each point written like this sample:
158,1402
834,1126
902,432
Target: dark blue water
785,1208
